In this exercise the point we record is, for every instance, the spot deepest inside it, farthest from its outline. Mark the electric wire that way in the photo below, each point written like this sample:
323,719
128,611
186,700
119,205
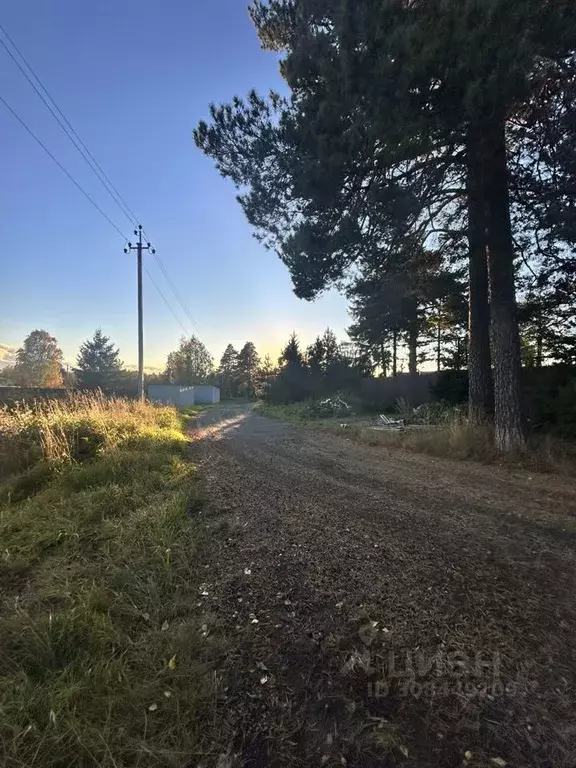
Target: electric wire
91,161
62,168
66,126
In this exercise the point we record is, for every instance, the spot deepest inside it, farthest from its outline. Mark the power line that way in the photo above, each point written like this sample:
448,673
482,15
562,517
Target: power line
91,161
59,164
68,129
179,298
155,284
87,196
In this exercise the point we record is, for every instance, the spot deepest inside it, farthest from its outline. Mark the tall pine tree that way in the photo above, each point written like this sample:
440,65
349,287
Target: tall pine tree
398,113
248,362
228,372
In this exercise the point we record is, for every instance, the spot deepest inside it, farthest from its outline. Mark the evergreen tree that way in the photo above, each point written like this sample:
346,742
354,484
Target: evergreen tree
38,361
228,372
315,354
190,364
98,363
292,384
331,348
248,362
291,356
264,376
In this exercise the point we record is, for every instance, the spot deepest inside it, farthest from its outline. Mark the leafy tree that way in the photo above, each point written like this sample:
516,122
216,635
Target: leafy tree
358,358
98,363
248,362
392,301
38,361
190,364
228,371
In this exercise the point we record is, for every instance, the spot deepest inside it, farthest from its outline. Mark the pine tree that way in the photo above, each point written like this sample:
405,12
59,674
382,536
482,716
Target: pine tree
98,363
38,361
264,376
228,372
291,356
248,362
315,354
331,348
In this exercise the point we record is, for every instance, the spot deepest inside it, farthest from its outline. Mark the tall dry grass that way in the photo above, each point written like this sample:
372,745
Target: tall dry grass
76,429
453,437
462,440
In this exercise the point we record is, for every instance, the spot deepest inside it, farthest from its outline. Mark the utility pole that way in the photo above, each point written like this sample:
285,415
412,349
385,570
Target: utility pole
139,247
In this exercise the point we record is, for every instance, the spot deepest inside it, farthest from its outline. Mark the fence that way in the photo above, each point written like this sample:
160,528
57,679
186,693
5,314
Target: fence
384,393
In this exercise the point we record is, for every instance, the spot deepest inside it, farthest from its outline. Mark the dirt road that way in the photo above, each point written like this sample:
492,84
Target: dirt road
378,608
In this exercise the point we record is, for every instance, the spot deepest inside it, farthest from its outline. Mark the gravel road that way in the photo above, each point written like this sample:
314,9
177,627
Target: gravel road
380,608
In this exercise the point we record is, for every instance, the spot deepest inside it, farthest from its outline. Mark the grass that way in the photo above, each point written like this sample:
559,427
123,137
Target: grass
103,662
455,438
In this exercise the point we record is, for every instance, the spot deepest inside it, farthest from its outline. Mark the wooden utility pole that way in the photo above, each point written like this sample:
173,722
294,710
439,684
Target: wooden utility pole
139,247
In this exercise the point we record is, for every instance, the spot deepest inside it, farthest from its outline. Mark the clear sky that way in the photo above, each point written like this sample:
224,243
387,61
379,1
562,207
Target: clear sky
134,78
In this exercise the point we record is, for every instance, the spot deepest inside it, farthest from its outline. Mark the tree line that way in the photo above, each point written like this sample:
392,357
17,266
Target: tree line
325,366
39,364
424,162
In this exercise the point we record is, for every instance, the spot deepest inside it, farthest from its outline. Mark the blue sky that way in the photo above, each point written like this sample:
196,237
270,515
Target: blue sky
134,78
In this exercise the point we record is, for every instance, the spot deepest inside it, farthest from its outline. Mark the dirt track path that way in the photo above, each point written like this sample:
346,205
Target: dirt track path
377,608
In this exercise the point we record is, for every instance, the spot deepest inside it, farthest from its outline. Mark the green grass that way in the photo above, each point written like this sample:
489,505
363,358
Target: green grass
102,661
299,413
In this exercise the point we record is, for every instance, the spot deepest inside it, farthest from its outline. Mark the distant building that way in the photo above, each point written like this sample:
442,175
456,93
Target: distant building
181,396
206,393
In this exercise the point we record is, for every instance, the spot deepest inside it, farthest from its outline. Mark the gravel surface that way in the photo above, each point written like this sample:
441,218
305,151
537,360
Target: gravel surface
369,607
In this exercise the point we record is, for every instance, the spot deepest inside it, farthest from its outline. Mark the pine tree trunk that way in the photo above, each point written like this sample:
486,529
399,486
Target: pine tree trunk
480,387
539,343
504,335
395,353
439,345
383,363
412,348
